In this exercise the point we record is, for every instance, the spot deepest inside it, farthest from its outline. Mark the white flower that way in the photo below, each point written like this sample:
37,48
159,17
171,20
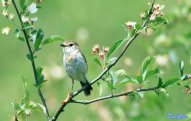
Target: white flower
5,30
156,6
24,19
153,16
34,19
142,15
130,24
11,16
5,13
33,8
4,3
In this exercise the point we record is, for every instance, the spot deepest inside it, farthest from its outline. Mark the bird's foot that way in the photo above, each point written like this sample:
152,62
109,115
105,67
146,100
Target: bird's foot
68,98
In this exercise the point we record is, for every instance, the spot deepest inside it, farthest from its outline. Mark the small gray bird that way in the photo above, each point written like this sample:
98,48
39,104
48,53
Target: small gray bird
75,64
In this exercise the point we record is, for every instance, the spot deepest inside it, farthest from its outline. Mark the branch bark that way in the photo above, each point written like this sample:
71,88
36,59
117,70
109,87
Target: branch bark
60,109
85,102
32,60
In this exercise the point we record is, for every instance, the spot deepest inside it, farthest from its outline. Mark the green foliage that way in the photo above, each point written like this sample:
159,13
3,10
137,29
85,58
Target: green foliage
25,106
51,39
170,82
38,39
181,68
98,61
147,72
160,83
114,47
22,4
40,77
159,21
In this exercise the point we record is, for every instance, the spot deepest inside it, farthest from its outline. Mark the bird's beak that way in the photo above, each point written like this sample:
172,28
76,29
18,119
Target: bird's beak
62,45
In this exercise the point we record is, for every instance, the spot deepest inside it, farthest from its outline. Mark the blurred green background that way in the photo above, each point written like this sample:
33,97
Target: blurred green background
91,22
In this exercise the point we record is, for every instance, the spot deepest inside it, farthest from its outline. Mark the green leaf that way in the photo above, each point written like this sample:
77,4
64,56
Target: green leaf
51,39
181,68
131,32
159,21
114,47
138,27
170,82
147,61
38,40
40,76
140,94
100,88
127,80
21,38
25,98
17,34
98,61
29,57
15,105
110,85
111,60
185,77
160,83
152,72
22,4
113,77
140,79
120,73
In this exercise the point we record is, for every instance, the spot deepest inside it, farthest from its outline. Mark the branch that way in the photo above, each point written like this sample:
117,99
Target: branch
85,102
60,109
32,60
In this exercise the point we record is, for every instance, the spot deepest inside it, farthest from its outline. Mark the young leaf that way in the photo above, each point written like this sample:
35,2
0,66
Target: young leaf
22,4
40,76
127,80
159,21
114,47
139,79
113,77
38,39
152,72
51,39
181,68
98,61
160,83
138,27
170,82
120,73
29,56
147,61
25,99
111,60
141,94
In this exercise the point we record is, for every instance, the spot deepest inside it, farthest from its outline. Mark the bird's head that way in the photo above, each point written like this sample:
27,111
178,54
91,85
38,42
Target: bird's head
69,46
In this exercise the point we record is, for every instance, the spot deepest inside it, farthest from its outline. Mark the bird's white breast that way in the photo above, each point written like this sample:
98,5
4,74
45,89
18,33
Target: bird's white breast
75,65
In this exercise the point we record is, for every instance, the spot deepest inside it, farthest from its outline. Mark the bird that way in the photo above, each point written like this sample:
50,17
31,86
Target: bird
75,65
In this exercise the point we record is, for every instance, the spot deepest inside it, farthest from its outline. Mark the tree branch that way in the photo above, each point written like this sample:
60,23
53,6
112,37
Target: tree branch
32,60
60,109
85,102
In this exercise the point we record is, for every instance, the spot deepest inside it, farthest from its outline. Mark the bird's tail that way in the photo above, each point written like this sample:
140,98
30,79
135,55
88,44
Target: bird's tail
87,90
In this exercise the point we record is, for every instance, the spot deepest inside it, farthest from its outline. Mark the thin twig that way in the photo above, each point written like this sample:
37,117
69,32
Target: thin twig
32,60
16,117
60,109
85,102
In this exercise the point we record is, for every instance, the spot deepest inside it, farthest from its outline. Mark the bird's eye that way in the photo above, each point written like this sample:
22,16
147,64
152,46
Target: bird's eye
70,45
